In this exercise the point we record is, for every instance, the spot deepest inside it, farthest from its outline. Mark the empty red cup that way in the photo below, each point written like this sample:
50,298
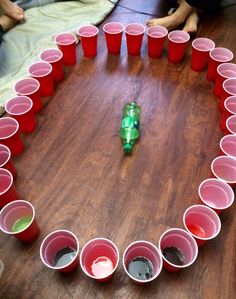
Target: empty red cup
217,56
89,38
201,48
142,249
229,110
224,168
66,42
202,223
59,251
30,87
182,241
10,136
99,259
229,89
178,42
216,194
113,33
42,71
134,36
228,145
231,125
5,160
224,71
156,38
54,57
20,108
18,219
7,190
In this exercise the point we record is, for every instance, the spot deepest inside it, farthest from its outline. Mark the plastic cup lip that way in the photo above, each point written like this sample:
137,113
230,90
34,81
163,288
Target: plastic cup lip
27,79
8,152
182,33
190,236
227,123
49,235
136,24
14,98
40,62
11,182
224,183
230,53
211,211
115,267
226,103
12,203
16,123
90,35
157,251
111,23
225,138
225,85
220,158
164,33
50,49
202,39
222,65
63,43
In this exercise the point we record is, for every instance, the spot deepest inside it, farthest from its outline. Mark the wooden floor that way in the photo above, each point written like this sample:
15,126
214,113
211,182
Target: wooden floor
75,174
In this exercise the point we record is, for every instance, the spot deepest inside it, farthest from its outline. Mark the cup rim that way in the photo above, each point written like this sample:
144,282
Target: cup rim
203,38
158,26
88,25
157,251
10,185
26,94
223,64
219,158
225,104
37,62
9,155
17,127
221,60
134,34
65,32
179,31
48,49
222,140
227,121
113,33
224,88
18,114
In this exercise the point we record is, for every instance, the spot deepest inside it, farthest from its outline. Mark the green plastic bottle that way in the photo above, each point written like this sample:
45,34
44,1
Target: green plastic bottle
130,126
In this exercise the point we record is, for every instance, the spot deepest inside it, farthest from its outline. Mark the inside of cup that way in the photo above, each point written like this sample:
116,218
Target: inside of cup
231,124
203,44
230,104
18,105
227,70
221,54
134,29
228,145
113,28
40,69
26,86
65,38
230,86
8,126
51,55
179,36
4,155
88,30
225,168
5,180
157,31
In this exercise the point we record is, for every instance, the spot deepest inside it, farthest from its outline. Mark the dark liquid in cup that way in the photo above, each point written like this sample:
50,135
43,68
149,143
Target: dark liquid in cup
141,268
64,256
174,255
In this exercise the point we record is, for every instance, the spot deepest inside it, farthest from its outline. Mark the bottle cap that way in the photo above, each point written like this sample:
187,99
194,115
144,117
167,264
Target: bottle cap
127,148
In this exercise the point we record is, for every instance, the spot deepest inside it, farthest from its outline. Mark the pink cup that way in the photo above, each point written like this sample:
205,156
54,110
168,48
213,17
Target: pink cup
7,189
143,249
20,108
5,160
178,42
13,212
54,57
224,71
229,89
113,34
231,125
224,168
228,145
134,36
53,243
89,38
10,136
217,56
201,48
156,38
216,194
66,42
202,223
42,71
99,259
229,110
30,87
178,238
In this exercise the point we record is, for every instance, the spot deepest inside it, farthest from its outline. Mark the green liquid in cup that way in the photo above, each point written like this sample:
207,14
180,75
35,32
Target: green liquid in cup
21,223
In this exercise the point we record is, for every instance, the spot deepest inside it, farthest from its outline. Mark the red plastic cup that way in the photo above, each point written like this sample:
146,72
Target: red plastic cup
231,125
229,89
217,56
30,87
10,136
66,42
12,213
179,238
224,71
143,249
42,71
228,145
113,33
20,108
216,194
99,259
229,110
54,57
202,223
224,168
89,38
177,45
53,243
7,190
156,38
5,160
134,36
201,48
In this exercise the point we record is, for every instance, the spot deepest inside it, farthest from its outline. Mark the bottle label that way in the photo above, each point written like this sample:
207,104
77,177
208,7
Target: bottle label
129,122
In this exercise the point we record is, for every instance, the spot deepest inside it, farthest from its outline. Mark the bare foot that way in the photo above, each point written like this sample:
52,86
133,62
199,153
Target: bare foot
169,22
7,23
191,22
12,10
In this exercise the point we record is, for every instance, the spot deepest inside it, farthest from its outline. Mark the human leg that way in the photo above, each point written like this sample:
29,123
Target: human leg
12,10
